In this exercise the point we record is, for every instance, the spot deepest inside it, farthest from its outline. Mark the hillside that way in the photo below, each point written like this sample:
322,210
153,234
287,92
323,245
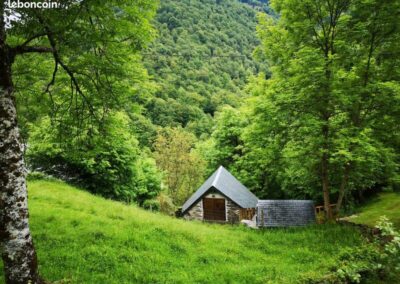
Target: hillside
81,238
201,59
386,204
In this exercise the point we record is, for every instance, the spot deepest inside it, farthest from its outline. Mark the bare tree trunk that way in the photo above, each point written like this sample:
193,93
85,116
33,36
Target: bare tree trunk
17,250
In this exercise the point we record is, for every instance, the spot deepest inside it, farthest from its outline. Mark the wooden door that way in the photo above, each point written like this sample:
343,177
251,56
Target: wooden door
214,209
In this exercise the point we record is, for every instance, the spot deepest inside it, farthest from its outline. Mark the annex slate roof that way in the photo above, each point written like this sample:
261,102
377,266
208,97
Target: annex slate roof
224,182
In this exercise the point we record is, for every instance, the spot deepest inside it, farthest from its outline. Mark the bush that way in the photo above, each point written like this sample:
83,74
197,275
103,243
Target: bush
378,260
152,205
148,179
166,205
106,160
38,176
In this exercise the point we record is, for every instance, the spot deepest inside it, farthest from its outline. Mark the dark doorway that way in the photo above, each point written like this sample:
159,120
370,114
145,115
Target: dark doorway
214,209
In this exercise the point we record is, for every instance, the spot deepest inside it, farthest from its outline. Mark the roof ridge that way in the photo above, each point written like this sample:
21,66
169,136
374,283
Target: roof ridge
214,183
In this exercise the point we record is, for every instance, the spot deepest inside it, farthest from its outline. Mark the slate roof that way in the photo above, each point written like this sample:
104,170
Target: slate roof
224,182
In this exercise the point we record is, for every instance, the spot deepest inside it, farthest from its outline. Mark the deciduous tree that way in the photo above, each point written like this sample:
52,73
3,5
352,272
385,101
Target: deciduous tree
334,88
88,42
183,168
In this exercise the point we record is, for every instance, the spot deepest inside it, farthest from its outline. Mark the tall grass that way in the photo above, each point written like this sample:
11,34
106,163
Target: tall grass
82,238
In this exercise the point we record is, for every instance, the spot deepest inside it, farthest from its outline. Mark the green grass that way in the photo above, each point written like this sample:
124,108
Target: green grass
387,204
82,238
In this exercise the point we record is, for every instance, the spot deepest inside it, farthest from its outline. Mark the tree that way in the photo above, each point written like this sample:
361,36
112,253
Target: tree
333,88
106,162
227,135
88,42
201,60
225,145
183,167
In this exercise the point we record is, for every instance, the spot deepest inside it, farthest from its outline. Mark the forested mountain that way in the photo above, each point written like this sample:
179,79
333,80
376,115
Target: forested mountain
201,59
192,98
110,139
138,102
261,5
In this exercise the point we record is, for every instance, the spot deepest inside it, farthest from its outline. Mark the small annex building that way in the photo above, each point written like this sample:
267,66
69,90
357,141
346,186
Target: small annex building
219,199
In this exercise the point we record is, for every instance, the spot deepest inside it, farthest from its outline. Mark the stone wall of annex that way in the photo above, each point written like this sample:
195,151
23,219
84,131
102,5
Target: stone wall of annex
285,213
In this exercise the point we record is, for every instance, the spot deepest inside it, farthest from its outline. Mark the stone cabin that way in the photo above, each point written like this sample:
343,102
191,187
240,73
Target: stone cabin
219,199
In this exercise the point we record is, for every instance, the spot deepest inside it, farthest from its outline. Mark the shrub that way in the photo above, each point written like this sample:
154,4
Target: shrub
148,179
378,260
152,205
166,204
105,160
38,176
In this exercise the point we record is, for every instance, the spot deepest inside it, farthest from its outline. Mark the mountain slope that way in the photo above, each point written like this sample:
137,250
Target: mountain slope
82,238
201,59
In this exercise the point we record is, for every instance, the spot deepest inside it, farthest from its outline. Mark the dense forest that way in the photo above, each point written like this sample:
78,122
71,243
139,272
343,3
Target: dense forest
199,95
140,102
199,61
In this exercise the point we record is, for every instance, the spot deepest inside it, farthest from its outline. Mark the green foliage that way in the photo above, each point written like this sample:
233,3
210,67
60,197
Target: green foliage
326,117
375,262
151,204
81,238
72,101
229,124
98,64
261,5
183,168
357,263
106,161
38,176
147,180
379,260
391,255
167,205
201,60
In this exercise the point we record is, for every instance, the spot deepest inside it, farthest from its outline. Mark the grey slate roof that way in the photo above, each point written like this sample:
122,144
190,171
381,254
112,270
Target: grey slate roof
224,182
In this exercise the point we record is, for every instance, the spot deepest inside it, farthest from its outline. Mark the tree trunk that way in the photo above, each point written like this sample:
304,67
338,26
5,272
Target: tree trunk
342,189
325,159
325,187
325,135
18,252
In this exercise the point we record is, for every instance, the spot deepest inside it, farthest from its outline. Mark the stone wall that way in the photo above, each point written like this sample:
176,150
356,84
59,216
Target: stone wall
196,212
285,213
232,210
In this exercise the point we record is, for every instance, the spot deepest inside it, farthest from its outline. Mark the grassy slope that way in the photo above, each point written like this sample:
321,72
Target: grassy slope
387,204
86,239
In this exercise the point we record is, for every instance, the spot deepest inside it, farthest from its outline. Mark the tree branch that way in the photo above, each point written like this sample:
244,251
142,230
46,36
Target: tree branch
59,61
30,49
25,43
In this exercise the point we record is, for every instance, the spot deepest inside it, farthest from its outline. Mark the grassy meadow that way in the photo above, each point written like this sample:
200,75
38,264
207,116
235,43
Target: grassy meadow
81,238
385,204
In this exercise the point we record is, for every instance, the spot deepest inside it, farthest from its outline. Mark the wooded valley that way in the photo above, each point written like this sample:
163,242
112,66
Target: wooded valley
139,102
